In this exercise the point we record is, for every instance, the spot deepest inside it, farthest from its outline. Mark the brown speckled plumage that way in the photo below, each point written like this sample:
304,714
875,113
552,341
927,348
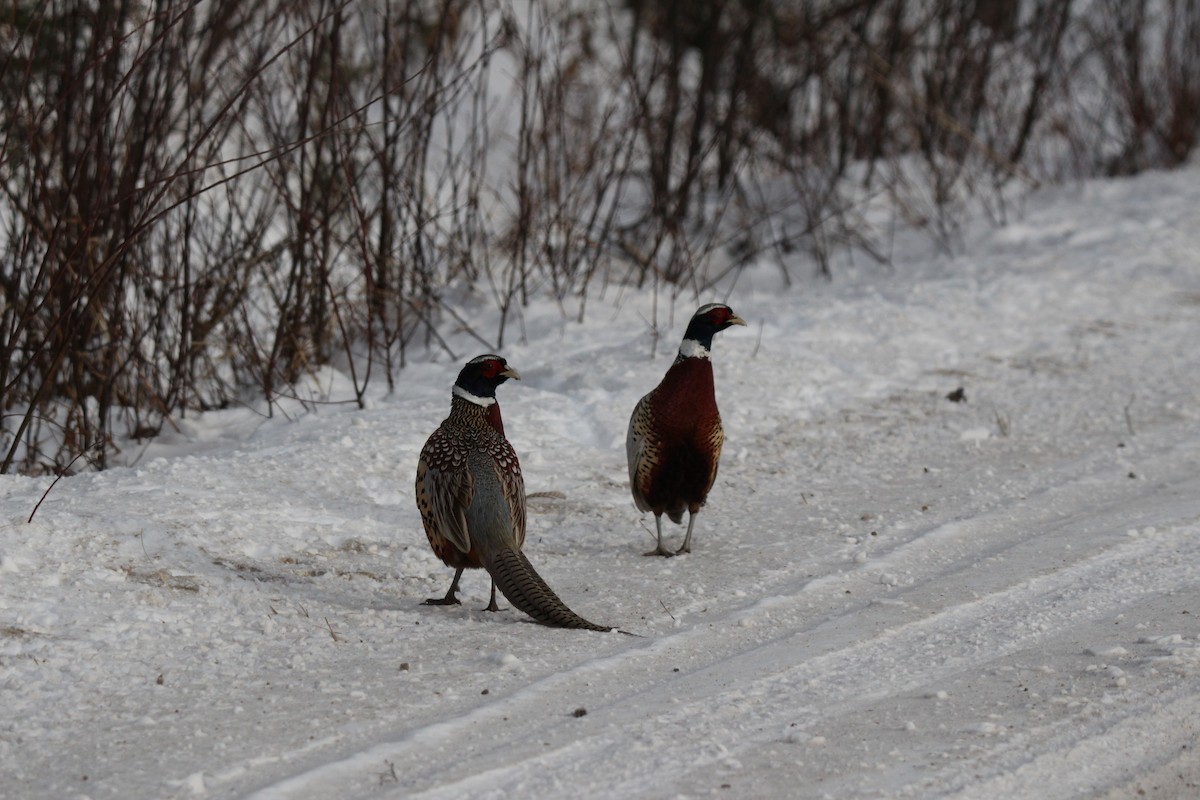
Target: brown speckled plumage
675,436
472,499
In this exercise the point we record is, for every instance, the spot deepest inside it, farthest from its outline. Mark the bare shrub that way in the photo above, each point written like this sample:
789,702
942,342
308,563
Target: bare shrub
1145,84
206,202
109,293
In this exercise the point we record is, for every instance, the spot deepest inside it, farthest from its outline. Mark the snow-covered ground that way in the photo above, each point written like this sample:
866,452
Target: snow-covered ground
891,594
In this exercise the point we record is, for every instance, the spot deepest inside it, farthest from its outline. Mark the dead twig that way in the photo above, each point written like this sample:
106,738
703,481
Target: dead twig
61,473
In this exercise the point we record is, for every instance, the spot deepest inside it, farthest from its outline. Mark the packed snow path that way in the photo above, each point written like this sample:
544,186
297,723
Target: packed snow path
891,594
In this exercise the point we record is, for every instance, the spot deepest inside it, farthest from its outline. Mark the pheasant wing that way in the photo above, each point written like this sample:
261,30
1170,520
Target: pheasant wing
638,451
445,487
509,469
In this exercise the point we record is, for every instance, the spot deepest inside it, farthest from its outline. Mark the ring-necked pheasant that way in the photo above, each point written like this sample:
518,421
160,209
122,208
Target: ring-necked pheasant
472,498
675,435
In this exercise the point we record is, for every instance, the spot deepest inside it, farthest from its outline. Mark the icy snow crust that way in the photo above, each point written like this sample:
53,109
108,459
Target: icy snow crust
890,594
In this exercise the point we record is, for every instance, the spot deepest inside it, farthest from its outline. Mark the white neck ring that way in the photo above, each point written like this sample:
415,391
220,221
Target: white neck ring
458,391
690,348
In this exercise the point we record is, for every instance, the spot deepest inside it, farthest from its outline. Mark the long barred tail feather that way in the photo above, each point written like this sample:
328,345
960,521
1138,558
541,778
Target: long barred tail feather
523,586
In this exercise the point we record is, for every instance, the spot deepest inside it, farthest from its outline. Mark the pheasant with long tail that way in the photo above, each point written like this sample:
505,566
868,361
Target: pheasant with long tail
472,499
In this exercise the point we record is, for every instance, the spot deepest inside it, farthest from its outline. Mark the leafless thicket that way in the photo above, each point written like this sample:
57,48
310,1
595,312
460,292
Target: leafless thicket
202,202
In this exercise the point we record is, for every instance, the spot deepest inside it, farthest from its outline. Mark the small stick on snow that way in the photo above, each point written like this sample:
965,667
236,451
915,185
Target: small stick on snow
1128,416
1002,423
61,472
390,775
551,494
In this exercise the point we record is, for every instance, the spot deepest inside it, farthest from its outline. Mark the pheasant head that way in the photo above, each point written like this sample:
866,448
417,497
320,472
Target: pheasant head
708,321
477,382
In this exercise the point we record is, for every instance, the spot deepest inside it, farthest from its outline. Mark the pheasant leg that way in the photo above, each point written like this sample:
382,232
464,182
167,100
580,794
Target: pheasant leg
686,547
451,598
659,550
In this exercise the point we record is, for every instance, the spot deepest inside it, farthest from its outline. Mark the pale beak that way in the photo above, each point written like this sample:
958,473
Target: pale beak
736,320
509,372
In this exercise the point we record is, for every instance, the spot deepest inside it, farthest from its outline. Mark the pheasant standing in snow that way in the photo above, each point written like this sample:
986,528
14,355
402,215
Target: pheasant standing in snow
675,436
472,498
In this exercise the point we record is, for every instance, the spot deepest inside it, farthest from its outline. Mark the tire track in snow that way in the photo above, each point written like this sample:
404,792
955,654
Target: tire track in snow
949,618
787,698
1074,761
